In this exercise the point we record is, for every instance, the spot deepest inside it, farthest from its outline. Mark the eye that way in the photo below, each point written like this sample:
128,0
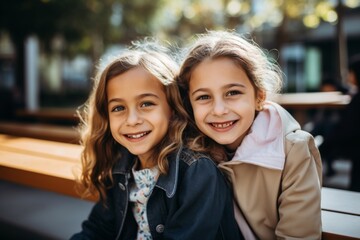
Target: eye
233,92
202,97
117,109
147,104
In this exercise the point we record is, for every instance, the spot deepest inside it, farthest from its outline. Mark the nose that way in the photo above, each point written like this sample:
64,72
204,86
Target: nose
133,118
219,107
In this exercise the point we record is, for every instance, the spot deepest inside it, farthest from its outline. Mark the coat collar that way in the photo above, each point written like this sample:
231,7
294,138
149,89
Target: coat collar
264,145
166,182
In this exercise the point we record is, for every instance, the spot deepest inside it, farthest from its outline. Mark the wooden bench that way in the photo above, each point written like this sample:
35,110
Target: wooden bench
39,163
340,214
53,166
298,104
59,133
50,115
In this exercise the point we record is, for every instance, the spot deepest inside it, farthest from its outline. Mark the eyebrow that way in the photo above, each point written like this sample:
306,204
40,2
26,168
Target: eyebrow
144,95
224,87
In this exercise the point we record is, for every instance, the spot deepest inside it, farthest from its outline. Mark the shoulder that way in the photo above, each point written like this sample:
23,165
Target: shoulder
190,157
300,149
197,164
299,138
301,142
200,168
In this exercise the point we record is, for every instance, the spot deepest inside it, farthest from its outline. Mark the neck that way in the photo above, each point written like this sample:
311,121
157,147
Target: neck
144,163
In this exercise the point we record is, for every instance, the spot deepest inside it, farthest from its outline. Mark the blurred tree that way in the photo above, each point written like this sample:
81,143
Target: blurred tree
88,26
45,19
73,27
280,18
183,18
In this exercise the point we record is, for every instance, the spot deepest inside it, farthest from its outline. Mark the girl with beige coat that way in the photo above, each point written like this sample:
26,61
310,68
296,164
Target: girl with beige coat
274,166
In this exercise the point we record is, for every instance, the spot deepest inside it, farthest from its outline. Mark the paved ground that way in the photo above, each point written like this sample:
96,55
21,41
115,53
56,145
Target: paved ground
27,213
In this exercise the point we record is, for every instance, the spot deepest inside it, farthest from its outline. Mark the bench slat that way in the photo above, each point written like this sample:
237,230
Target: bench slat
341,201
340,226
43,165
37,147
68,134
37,180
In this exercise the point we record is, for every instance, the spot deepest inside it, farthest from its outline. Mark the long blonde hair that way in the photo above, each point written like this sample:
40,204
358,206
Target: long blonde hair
101,151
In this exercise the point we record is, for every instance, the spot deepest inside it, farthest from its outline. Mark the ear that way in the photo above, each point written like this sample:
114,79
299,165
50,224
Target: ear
260,99
261,95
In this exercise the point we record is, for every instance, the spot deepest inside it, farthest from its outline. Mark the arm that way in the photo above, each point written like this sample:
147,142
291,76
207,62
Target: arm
300,197
203,196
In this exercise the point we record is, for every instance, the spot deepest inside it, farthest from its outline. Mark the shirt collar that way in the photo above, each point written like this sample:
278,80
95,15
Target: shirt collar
166,182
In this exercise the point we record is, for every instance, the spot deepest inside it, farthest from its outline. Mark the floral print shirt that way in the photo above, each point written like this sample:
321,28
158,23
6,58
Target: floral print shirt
140,192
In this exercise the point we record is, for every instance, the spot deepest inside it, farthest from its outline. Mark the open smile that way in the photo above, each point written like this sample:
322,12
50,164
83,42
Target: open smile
223,125
137,135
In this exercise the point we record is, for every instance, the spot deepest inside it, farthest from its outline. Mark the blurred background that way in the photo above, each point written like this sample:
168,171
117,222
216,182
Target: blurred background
49,50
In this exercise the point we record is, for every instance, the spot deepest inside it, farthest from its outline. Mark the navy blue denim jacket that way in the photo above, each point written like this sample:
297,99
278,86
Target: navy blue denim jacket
193,201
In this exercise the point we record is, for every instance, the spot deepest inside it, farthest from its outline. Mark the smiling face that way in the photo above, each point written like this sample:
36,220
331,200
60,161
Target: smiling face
138,112
223,100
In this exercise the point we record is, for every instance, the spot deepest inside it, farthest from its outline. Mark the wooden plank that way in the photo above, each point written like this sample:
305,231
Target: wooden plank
67,134
37,147
311,100
50,166
38,180
341,201
338,226
42,164
298,104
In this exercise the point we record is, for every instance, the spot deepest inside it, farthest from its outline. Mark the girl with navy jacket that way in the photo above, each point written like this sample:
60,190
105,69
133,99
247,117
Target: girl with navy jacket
150,184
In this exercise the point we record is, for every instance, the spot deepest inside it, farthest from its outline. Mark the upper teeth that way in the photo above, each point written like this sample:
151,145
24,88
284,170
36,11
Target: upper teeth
137,135
222,125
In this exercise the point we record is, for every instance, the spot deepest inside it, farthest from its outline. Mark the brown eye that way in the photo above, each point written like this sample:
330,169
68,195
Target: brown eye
232,93
147,104
203,97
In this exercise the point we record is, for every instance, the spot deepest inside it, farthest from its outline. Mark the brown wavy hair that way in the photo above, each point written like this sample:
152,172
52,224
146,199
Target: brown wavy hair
101,151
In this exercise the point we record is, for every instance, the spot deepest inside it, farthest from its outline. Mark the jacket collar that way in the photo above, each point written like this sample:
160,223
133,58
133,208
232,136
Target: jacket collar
166,182
125,162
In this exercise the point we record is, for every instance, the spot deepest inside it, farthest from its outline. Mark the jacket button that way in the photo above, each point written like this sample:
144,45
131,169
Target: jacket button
160,228
122,187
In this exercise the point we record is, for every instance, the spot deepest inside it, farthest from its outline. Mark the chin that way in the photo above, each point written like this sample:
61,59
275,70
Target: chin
223,141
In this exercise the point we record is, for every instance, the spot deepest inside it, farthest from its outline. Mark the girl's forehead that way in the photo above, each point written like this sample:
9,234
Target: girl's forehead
218,66
218,73
134,80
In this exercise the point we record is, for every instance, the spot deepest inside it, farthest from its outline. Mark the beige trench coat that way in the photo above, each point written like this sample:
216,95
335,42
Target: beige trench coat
282,204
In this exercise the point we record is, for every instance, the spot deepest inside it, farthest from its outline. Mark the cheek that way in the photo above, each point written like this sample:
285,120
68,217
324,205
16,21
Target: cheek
114,124
199,113
160,119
